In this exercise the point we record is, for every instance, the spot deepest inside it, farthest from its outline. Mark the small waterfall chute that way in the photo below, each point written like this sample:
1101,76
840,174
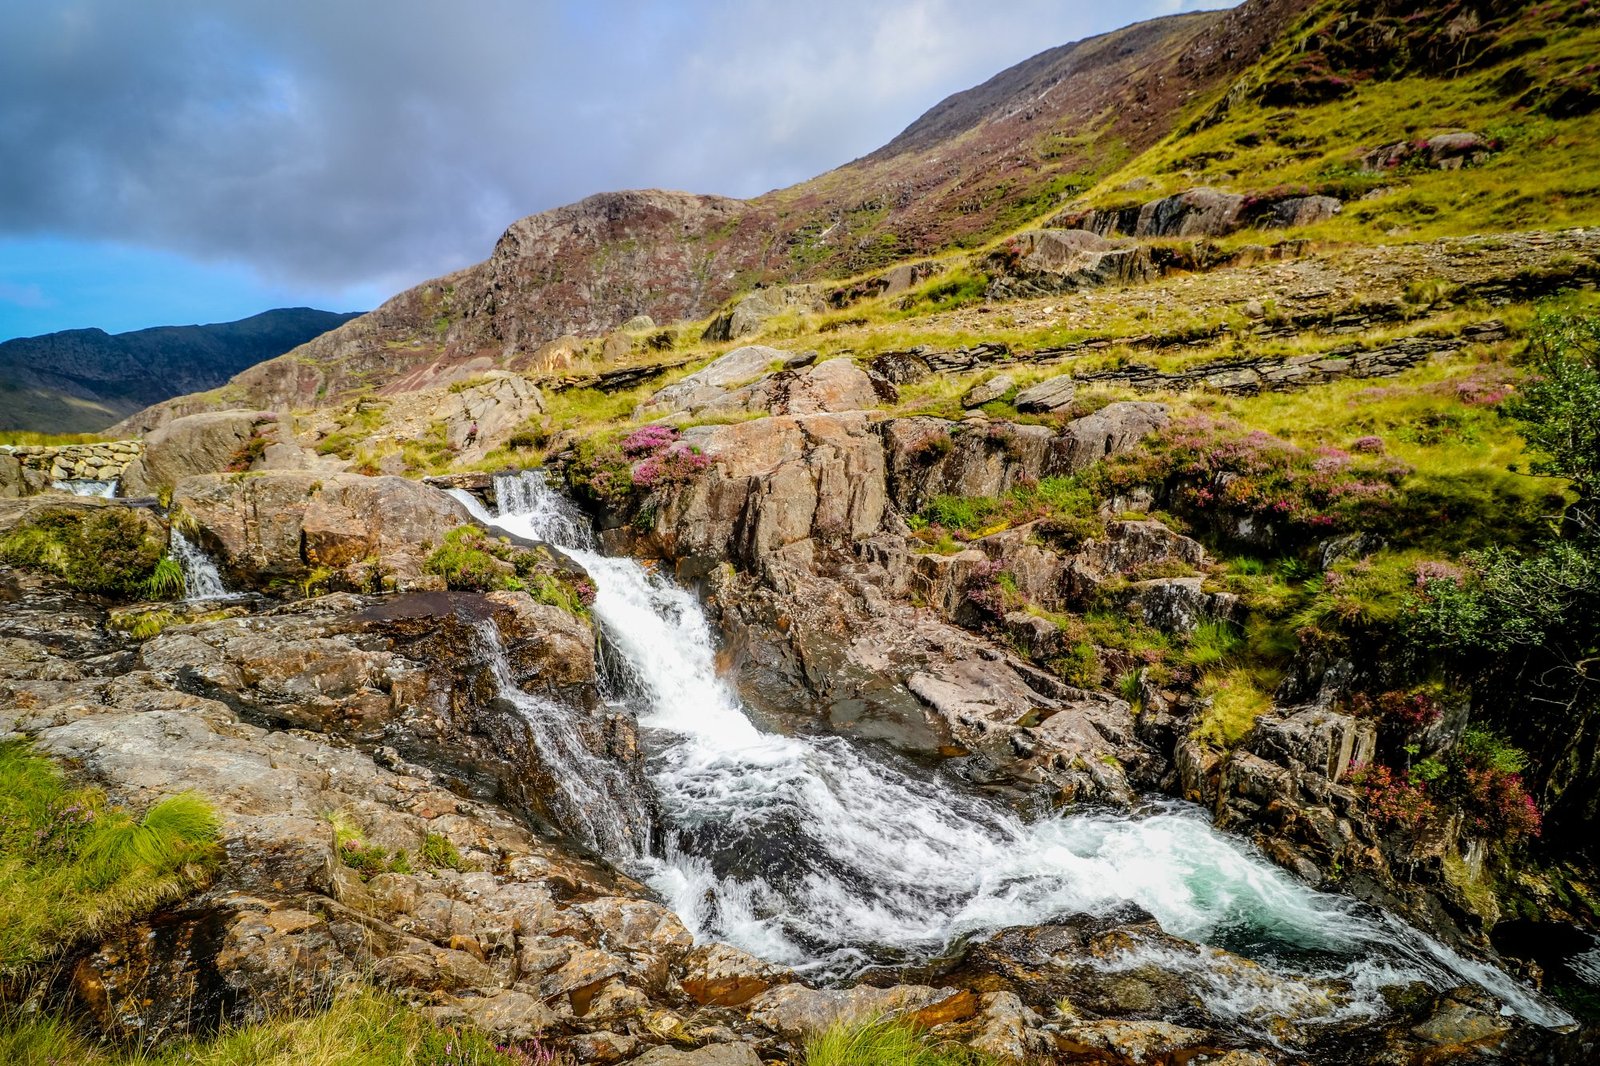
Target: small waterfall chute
591,796
201,578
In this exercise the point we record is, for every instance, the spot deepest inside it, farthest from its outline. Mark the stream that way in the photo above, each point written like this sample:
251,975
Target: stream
831,857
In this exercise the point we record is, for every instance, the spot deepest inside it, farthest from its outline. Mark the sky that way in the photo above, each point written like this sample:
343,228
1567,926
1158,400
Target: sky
175,161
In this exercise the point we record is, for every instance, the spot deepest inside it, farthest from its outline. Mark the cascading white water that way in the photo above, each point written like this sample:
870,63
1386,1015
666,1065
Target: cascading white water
812,853
201,578
87,487
593,797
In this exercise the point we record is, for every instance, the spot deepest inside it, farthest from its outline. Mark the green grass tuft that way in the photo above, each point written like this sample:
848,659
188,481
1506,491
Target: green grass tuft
72,865
885,1042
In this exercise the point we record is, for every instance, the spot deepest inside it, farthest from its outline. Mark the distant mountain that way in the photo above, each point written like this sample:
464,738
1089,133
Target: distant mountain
82,380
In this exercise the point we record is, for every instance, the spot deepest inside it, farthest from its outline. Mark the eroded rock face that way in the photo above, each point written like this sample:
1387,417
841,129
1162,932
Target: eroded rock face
282,525
198,444
415,676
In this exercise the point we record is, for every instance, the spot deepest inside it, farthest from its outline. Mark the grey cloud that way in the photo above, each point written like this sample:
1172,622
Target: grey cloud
339,143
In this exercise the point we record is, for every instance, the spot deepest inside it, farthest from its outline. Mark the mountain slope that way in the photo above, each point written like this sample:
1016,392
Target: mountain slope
82,379
971,168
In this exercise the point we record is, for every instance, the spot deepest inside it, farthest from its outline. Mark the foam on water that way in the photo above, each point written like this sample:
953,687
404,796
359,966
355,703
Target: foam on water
87,487
811,852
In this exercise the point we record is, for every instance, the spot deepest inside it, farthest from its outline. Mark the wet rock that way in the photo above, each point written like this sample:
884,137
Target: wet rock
280,526
1052,394
1131,1043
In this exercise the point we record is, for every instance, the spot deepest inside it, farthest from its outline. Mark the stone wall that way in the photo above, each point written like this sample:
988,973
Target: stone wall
26,469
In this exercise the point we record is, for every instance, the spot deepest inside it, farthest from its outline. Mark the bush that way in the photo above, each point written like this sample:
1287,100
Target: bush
108,551
1393,799
1220,474
472,560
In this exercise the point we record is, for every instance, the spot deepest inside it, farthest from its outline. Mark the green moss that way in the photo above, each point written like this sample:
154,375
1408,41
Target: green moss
472,560
108,551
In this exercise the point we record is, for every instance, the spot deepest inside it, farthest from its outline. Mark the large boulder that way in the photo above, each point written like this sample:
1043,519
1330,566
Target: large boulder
497,402
1112,429
714,380
1199,212
206,443
1058,260
1301,211
775,482
280,526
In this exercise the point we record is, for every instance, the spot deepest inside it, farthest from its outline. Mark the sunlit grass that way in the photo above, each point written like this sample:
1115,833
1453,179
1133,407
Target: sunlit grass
73,865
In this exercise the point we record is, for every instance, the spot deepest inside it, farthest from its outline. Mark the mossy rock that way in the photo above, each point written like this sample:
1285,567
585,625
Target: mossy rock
109,551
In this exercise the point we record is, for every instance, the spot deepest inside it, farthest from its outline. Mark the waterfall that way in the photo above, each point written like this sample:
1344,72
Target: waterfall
590,796
813,852
87,487
201,579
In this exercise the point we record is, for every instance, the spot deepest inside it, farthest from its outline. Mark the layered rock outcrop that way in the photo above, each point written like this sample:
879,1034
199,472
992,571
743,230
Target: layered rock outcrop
368,532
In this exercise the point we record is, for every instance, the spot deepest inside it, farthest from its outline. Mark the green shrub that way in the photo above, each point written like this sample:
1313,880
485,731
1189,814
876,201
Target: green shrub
166,581
472,560
438,852
73,865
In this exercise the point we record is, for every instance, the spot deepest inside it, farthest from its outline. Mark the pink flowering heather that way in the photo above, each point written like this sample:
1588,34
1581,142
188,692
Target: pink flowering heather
648,439
1369,444
1433,570
675,465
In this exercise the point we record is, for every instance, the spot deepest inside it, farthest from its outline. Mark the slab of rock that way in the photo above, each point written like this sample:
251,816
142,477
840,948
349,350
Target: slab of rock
1060,260
710,1055
711,382
1301,211
1051,394
835,385
195,444
1112,429
988,391
1198,212
795,1011
280,525
716,975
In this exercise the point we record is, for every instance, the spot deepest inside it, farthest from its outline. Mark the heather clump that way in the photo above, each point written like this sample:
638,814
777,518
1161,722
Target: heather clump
1240,483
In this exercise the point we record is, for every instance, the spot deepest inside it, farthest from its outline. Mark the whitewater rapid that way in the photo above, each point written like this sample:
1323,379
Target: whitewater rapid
812,852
